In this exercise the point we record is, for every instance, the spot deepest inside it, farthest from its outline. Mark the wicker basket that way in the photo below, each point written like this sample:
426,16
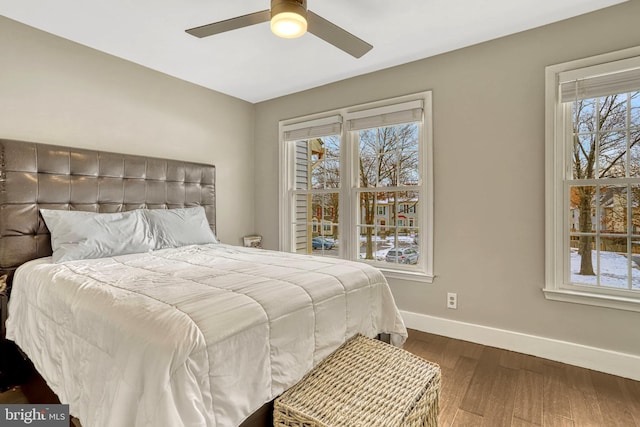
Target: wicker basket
363,383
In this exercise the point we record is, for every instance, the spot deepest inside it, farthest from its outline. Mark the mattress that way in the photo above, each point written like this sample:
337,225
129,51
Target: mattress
193,336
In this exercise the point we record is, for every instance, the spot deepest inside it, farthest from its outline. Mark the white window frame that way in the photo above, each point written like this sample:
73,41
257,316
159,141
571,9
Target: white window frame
558,169
349,239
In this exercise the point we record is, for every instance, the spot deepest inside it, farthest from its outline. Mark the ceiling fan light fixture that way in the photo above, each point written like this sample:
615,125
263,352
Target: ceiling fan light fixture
288,25
289,18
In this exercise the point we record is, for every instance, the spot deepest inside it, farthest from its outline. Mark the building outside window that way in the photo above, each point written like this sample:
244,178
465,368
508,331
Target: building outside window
593,181
363,173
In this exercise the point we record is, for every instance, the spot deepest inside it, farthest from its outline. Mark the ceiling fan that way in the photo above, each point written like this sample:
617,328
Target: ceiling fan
290,19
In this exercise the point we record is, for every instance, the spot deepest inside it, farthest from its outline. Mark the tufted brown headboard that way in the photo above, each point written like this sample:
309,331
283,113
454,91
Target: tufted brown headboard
34,176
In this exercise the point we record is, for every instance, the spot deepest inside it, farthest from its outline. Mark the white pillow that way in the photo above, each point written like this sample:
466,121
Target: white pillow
86,235
172,228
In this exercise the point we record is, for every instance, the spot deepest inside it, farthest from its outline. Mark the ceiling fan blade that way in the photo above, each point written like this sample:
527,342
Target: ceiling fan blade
230,24
340,38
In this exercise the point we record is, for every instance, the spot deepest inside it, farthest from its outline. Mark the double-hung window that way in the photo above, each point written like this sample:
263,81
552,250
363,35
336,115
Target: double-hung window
356,183
593,181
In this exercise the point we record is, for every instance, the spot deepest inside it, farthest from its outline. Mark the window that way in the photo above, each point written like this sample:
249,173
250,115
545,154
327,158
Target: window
367,170
593,181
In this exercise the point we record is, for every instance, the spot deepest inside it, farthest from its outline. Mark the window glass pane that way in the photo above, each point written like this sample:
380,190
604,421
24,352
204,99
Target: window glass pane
303,235
408,207
303,225
613,112
326,208
317,207
389,156
635,240
584,262
317,163
316,224
390,208
612,158
613,209
375,242
408,156
635,265
325,162
368,207
583,156
600,127
403,248
635,211
302,213
584,113
634,160
582,208
582,220
302,165
386,208
614,267
634,100
406,238
371,158
634,134
384,242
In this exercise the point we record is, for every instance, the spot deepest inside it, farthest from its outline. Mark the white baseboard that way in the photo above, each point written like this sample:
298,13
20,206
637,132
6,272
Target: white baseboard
598,359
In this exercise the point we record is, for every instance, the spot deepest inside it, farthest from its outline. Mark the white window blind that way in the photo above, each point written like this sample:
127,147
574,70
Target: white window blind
313,129
406,112
592,82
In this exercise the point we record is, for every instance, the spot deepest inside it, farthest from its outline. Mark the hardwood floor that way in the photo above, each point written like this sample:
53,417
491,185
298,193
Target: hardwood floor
486,386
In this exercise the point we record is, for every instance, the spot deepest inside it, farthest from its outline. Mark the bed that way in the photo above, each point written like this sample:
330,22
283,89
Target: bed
202,334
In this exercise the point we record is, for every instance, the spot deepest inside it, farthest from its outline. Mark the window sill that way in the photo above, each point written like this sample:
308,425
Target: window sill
413,276
588,298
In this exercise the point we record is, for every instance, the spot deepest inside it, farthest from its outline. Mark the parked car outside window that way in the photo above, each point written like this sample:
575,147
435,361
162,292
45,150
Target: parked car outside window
402,255
321,243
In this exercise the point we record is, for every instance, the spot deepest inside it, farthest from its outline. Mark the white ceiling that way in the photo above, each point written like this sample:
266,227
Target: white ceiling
255,65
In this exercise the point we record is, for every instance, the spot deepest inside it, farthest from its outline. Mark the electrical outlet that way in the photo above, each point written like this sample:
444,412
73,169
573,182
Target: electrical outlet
452,300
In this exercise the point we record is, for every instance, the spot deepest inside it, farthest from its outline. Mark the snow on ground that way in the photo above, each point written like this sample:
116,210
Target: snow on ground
382,246
613,270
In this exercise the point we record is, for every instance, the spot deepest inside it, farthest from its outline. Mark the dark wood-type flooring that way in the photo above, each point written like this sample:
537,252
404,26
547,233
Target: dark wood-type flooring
486,386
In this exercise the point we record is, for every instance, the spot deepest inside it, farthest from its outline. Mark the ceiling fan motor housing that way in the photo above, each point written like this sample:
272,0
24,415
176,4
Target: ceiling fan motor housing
293,6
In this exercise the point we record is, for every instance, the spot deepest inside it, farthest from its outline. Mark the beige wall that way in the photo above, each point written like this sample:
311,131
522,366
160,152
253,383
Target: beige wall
488,103
58,92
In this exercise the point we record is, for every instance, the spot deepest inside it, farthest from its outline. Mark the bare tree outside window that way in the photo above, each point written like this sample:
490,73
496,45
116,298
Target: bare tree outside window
388,159
606,137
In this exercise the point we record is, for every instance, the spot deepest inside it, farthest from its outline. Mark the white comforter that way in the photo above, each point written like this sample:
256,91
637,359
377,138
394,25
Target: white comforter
193,336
